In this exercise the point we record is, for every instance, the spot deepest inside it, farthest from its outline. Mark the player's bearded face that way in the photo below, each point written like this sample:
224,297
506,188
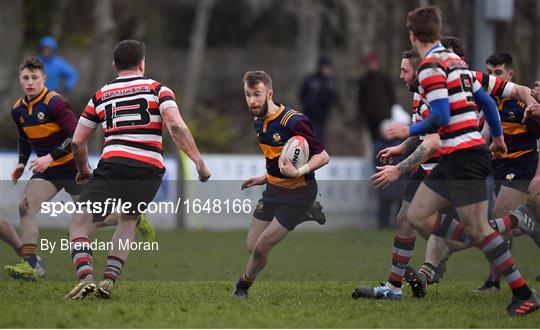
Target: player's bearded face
408,75
257,101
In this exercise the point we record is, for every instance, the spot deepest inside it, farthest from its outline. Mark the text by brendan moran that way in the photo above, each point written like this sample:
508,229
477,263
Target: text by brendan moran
96,245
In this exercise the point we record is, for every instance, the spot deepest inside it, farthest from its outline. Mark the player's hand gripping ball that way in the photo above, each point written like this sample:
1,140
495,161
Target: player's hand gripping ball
296,150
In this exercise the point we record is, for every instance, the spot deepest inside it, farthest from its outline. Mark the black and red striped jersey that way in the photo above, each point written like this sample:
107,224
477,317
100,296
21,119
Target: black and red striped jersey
129,112
443,74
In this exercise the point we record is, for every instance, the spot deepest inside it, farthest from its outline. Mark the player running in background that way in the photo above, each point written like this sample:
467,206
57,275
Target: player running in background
46,124
449,87
131,111
290,192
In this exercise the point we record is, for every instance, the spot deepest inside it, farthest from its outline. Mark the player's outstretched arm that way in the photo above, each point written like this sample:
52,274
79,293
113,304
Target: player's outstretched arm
183,139
79,147
523,94
254,181
390,173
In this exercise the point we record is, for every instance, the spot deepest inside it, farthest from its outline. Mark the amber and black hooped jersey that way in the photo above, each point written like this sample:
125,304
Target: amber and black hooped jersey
516,136
129,111
46,124
273,132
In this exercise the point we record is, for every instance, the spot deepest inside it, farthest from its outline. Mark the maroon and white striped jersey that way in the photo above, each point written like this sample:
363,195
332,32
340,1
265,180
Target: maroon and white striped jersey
129,112
443,74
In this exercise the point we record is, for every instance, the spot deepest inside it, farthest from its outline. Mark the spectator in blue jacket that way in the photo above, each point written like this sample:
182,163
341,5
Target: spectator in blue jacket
61,75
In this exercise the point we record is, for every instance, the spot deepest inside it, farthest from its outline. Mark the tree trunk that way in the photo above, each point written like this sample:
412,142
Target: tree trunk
11,34
309,16
102,43
60,7
197,48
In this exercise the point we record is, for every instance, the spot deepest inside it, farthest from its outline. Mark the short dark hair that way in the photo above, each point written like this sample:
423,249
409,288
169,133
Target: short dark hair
128,54
413,57
425,23
253,78
500,58
32,63
457,45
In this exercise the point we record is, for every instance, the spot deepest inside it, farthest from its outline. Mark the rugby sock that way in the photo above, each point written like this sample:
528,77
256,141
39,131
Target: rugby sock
82,258
244,282
113,269
19,251
497,253
428,270
450,229
503,224
495,277
29,254
401,255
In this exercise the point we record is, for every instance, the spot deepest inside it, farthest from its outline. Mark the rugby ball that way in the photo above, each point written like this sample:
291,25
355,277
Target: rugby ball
297,150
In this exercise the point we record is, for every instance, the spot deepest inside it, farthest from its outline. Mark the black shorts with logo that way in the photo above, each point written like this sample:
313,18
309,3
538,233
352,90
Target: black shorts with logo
460,177
62,177
515,173
412,186
288,206
124,183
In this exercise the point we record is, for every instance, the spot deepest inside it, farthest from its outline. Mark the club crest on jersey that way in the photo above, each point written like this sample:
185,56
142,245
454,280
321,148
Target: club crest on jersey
276,137
40,116
510,176
21,119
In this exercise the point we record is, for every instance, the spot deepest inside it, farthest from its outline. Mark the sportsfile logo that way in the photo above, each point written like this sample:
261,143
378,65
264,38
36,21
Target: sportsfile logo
113,205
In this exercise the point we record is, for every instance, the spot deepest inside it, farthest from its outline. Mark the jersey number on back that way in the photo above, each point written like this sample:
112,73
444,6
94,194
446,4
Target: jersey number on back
127,108
466,86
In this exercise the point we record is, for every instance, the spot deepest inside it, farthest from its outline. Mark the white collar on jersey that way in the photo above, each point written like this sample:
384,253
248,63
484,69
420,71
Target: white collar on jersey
436,47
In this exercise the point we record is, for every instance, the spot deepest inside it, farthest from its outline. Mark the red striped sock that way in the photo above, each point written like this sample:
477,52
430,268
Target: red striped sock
503,224
113,269
401,255
497,253
82,257
450,229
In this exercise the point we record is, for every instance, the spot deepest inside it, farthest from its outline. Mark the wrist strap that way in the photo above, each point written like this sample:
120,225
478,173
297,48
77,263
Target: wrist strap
304,169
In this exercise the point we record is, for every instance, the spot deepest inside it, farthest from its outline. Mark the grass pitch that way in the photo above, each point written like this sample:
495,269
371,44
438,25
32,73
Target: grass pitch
307,284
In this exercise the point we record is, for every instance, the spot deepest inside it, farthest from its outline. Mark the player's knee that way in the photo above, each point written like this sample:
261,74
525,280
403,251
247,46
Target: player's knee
249,246
24,207
260,250
413,216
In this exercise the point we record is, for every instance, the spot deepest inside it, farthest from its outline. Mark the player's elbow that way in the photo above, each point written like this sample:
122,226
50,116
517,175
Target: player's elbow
325,158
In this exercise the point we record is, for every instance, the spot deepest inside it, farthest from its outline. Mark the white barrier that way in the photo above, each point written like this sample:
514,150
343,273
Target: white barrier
343,190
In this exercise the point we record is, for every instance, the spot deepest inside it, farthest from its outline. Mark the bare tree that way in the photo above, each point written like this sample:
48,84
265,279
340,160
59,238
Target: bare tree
11,35
102,42
309,17
60,7
197,49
